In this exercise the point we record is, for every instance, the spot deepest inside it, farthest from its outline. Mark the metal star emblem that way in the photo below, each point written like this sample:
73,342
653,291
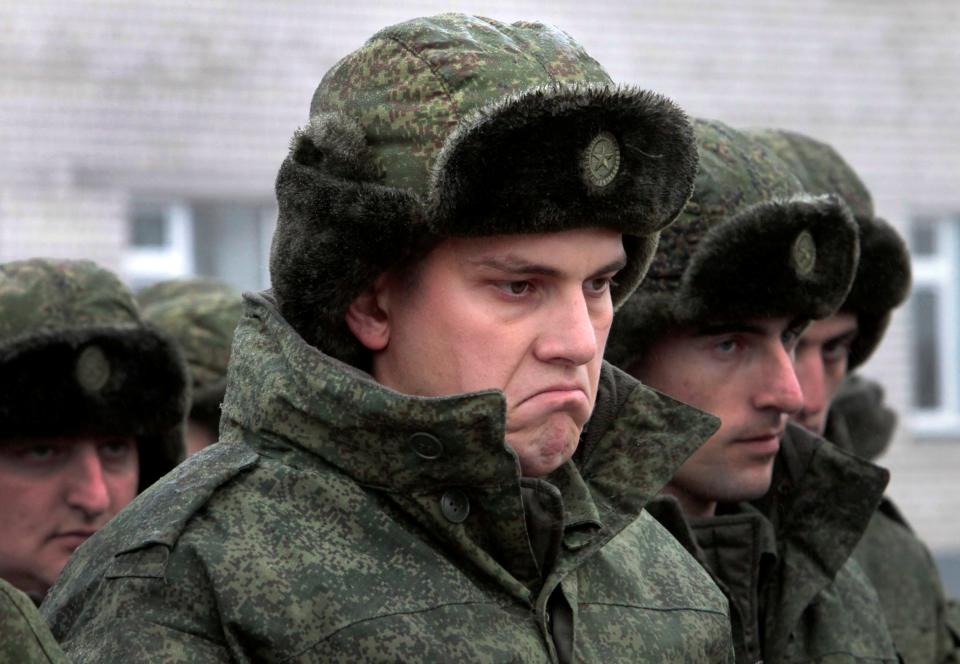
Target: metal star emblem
601,160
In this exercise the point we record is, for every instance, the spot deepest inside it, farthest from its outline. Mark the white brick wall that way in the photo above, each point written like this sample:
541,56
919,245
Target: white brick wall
199,99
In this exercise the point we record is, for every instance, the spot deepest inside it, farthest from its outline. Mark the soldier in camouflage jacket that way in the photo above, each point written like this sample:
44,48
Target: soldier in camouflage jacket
849,411
770,510
353,513
92,402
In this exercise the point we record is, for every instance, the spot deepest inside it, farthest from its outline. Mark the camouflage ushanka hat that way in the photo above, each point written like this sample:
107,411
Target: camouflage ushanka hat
882,281
750,243
462,126
200,314
76,359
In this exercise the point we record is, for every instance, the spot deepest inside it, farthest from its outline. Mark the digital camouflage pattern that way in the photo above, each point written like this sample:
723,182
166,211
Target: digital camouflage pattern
750,243
408,88
343,522
785,564
54,295
71,335
894,559
819,168
24,636
200,314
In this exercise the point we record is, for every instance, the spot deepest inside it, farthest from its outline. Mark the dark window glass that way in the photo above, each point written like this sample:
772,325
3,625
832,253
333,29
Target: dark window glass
926,375
923,237
148,227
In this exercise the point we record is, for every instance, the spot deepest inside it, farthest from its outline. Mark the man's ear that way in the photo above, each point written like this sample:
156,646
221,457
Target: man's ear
367,316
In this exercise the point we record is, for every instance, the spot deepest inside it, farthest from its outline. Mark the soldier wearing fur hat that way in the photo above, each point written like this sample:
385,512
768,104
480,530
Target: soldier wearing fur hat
771,511
200,314
91,410
848,410
423,457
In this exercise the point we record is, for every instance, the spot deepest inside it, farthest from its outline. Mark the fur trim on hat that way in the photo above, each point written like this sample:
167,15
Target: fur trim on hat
745,268
140,390
513,167
882,283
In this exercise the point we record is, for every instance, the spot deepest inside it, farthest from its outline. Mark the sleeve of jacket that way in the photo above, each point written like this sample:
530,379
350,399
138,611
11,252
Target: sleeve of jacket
24,637
151,606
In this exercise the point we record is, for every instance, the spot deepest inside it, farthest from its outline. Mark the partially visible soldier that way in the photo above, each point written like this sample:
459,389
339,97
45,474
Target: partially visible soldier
770,510
423,456
200,314
24,636
91,409
848,410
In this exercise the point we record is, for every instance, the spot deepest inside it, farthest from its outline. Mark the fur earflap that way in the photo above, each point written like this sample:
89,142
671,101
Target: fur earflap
338,229
136,384
743,268
746,268
529,150
881,284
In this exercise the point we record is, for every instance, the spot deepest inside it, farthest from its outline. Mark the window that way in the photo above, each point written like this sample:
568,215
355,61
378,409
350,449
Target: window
160,243
935,313
226,240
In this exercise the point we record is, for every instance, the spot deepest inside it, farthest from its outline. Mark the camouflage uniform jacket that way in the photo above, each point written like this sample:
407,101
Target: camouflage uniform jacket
24,637
339,521
896,561
784,561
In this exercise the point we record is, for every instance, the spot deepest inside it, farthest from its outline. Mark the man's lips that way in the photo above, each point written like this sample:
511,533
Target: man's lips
72,537
558,392
767,441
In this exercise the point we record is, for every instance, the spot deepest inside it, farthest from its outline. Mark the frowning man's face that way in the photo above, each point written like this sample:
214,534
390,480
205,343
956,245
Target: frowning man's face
526,314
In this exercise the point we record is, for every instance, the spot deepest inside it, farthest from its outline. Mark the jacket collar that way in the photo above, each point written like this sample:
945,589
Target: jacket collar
821,501
288,399
633,444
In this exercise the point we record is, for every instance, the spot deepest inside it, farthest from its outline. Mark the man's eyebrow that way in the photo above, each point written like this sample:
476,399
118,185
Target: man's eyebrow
516,265
848,335
713,329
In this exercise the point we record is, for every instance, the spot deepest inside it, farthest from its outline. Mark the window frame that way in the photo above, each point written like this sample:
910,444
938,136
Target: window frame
939,273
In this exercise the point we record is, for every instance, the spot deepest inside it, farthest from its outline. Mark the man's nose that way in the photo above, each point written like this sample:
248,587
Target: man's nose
779,388
87,487
570,333
810,375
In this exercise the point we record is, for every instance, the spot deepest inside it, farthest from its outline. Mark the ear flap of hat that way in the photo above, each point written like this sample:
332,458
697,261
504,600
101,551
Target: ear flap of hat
882,283
794,257
337,230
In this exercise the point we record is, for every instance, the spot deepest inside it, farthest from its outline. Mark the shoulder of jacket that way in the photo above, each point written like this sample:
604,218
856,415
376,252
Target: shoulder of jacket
146,531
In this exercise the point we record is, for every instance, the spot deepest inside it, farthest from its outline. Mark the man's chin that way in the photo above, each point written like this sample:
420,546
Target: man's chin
544,450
